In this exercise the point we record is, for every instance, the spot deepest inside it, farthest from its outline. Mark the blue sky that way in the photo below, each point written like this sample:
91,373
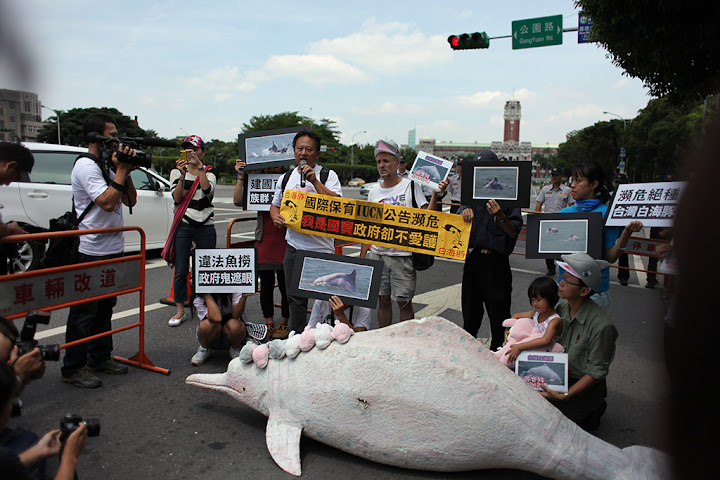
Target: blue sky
378,66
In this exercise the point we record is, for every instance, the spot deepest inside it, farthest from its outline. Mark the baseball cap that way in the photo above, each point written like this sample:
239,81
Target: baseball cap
403,159
556,171
194,140
584,267
620,177
460,161
387,146
486,156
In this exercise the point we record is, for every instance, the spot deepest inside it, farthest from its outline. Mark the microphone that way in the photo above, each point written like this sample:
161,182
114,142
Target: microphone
150,141
302,174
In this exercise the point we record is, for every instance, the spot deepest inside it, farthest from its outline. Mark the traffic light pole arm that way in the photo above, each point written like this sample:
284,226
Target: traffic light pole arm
575,29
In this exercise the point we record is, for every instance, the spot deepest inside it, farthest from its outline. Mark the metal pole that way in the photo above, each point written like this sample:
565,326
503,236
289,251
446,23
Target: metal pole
352,147
624,135
57,116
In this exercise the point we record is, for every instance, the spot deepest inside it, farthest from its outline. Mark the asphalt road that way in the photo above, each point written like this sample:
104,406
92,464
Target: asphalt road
155,426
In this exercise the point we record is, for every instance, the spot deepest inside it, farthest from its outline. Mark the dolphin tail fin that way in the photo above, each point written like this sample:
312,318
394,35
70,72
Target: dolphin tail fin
283,443
646,463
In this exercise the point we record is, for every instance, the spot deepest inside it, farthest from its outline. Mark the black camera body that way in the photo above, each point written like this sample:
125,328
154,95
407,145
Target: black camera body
141,159
70,422
27,341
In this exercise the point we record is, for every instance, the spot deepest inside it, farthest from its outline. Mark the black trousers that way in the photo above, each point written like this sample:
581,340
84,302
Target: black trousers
267,289
486,284
623,273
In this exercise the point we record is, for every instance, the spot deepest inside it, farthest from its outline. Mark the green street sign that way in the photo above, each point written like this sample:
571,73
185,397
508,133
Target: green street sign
537,32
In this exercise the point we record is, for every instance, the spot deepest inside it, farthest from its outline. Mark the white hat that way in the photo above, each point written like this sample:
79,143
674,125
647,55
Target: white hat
584,267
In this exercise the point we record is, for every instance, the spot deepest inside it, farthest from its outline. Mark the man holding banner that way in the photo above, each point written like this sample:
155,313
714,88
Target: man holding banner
399,276
307,177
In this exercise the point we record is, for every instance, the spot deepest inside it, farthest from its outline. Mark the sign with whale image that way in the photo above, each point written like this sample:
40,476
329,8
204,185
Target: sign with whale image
268,148
321,275
406,228
225,270
506,182
550,235
430,170
543,368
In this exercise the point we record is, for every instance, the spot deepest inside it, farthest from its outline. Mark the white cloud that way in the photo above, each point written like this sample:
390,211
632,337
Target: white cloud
388,108
480,98
386,47
221,79
313,69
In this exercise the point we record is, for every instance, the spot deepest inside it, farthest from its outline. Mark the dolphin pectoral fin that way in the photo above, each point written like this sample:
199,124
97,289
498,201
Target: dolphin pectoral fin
283,443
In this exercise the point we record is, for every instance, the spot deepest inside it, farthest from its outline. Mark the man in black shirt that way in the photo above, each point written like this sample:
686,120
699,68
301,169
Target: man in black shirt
487,279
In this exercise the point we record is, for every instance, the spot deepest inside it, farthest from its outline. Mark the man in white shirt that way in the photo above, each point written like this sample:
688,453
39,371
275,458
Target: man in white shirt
399,276
307,178
94,181
455,185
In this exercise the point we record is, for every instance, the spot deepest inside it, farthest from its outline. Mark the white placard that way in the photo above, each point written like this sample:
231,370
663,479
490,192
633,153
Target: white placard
653,204
543,368
430,170
260,190
225,270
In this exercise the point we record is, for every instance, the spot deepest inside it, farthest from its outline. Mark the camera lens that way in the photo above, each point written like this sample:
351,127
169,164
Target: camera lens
93,427
50,353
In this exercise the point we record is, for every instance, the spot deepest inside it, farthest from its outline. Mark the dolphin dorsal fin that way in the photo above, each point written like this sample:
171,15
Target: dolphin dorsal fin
283,443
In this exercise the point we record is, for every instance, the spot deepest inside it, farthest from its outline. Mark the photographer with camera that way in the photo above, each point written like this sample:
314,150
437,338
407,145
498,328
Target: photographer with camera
100,177
14,465
16,162
29,366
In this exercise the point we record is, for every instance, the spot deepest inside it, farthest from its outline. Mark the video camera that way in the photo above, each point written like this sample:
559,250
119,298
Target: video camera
142,159
27,340
70,422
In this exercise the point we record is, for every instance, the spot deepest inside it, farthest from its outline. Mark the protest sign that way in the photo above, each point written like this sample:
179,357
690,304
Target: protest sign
268,148
225,270
430,170
550,235
506,182
411,229
653,204
259,191
543,368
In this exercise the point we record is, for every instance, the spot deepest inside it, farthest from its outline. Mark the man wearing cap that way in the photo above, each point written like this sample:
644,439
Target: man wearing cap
308,177
398,276
454,184
104,189
623,275
588,336
402,167
487,279
197,225
555,197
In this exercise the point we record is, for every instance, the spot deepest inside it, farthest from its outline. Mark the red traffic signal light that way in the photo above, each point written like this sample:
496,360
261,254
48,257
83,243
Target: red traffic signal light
469,41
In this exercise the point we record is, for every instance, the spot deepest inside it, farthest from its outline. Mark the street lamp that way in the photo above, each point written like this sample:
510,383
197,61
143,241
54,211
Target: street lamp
352,147
57,115
623,163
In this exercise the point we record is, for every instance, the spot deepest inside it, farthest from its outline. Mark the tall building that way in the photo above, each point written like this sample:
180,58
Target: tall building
411,138
511,147
20,114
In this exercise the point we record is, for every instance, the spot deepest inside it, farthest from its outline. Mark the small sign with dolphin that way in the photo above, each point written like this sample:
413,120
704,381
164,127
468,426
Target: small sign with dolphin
543,368
429,169
320,275
268,148
550,235
506,182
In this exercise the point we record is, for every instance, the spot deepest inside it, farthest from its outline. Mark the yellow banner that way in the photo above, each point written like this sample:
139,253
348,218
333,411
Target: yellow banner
412,229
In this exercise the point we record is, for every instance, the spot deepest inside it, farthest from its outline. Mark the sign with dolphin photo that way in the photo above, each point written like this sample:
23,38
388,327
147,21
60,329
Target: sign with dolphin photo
412,229
268,148
321,275
543,368
550,235
506,182
429,169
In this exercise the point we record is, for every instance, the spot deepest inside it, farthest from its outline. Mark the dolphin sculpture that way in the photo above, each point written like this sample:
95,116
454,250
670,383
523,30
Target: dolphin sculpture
422,394
494,184
346,281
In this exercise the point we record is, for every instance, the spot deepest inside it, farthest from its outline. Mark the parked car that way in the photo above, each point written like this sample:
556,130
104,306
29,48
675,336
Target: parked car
47,193
356,182
365,189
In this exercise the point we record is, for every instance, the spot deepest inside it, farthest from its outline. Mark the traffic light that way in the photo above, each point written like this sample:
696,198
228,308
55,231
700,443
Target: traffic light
469,41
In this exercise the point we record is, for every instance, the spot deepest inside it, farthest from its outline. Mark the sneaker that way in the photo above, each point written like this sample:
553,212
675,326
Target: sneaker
108,366
550,272
257,332
234,352
623,282
200,356
174,322
651,284
281,331
83,378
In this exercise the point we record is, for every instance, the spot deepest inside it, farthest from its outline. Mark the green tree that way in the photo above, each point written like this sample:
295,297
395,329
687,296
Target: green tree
671,46
598,143
71,131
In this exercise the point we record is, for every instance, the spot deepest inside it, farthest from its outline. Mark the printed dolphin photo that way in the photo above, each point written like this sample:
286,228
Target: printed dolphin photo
346,281
550,376
574,238
494,184
553,230
421,394
432,172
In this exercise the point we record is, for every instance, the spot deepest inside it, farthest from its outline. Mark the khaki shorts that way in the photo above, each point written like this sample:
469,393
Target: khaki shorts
398,277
